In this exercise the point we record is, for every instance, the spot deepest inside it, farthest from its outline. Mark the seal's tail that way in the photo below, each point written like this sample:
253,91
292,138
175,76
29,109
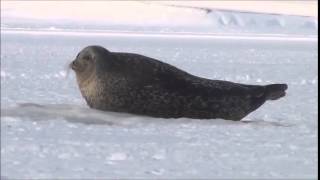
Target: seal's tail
275,91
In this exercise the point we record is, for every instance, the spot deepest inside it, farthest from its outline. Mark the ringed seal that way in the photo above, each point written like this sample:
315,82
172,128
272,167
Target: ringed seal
133,83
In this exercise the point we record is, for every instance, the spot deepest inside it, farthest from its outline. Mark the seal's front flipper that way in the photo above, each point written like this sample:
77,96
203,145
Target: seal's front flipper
275,91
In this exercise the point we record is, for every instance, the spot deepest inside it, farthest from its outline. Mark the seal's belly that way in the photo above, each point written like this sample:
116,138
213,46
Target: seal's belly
161,103
158,102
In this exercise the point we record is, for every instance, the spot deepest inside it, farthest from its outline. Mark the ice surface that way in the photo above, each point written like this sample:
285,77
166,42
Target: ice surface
154,17
47,131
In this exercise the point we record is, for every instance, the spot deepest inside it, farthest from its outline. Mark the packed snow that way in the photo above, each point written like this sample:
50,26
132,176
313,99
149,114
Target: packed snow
48,131
163,17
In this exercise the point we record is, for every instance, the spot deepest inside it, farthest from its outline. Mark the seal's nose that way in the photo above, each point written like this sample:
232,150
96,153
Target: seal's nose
73,65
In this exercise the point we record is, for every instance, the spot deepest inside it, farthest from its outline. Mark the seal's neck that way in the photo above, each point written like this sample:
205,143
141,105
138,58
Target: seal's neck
88,88
85,79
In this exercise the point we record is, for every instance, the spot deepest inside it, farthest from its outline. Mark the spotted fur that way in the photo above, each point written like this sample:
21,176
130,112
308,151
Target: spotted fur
126,82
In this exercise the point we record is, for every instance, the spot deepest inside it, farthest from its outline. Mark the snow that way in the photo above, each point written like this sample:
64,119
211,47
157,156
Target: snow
296,18
48,132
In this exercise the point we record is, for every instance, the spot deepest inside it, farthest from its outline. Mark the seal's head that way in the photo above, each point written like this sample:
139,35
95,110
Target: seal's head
87,61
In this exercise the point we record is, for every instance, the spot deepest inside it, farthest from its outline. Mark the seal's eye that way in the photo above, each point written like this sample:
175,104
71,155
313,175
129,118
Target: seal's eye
86,57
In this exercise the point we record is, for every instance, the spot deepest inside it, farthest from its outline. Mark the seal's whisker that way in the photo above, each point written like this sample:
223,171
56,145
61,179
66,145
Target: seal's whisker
66,69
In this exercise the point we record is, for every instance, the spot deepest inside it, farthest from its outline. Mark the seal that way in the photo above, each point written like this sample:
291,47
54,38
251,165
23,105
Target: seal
133,83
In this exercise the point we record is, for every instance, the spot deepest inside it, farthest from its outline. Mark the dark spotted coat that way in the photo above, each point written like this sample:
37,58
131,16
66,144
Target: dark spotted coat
126,82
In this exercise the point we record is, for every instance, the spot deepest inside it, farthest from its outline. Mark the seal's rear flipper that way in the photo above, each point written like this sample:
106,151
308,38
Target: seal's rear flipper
275,91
